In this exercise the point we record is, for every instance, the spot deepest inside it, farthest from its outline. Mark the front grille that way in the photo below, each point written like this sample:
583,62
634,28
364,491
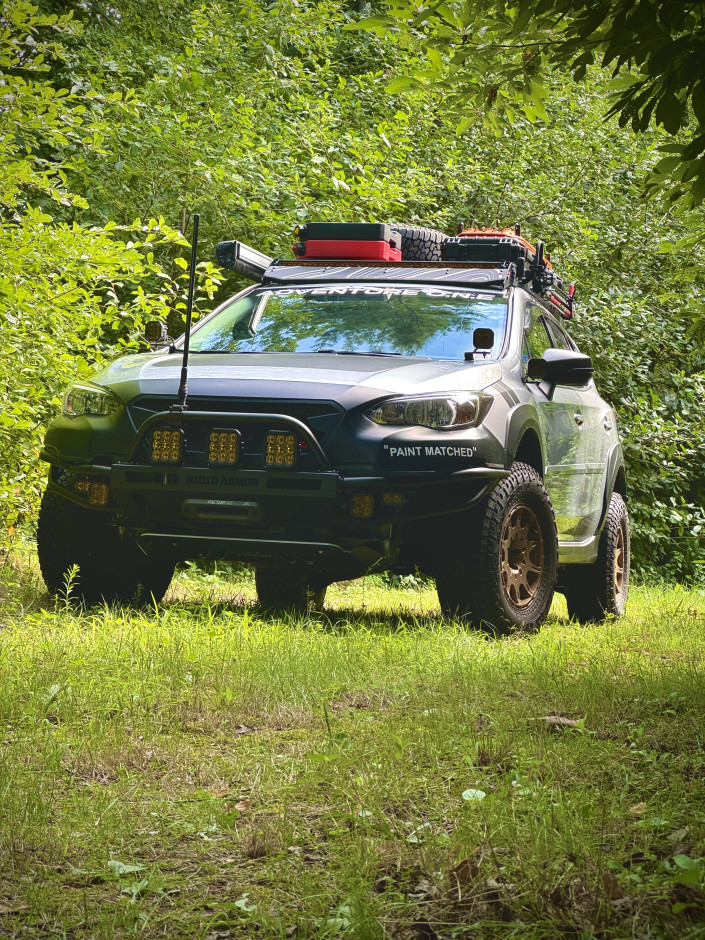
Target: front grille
321,417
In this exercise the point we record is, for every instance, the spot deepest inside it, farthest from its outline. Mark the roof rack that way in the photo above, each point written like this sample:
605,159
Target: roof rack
516,260
526,265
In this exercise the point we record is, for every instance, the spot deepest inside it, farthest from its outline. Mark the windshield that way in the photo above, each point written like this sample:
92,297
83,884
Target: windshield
379,319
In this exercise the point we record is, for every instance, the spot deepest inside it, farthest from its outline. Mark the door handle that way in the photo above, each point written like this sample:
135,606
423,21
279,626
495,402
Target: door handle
578,417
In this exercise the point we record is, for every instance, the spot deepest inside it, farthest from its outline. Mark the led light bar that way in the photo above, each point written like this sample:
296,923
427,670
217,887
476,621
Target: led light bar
167,445
281,449
224,447
243,259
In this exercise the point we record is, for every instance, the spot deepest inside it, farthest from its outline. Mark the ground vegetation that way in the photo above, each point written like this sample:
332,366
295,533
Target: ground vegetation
202,770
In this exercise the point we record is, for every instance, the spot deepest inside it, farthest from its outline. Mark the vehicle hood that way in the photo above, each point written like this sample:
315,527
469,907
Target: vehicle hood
349,380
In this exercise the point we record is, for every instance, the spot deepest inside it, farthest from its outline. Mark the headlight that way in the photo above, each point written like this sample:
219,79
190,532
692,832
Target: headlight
89,400
454,410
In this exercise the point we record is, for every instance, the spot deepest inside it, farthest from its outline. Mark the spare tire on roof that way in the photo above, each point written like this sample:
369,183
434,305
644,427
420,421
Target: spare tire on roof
420,244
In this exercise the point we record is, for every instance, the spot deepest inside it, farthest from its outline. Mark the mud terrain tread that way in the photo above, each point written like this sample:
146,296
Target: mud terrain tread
420,244
472,588
590,592
109,570
287,591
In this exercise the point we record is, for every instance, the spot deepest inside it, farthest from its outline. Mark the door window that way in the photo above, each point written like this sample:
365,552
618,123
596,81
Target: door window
561,340
537,338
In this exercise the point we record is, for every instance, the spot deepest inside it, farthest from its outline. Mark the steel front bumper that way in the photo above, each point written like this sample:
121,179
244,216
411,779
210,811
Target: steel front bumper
269,516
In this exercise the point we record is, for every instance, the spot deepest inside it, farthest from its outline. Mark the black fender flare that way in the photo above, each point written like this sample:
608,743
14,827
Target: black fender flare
615,466
520,419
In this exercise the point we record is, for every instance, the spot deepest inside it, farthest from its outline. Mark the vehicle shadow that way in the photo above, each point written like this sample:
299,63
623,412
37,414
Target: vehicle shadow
333,621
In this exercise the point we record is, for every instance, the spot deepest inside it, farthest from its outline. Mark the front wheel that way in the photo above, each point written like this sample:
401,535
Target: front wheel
597,591
500,574
290,590
81,552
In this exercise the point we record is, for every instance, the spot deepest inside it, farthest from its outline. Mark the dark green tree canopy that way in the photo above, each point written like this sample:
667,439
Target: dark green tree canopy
486,57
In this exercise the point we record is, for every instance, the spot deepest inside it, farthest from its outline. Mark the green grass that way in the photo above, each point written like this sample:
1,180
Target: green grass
199,771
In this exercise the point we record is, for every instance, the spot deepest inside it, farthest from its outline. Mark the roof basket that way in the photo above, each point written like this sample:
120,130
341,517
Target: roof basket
495,245
524,263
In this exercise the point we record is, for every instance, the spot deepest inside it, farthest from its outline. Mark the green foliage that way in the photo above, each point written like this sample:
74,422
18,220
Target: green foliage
70,294
262,116
489,59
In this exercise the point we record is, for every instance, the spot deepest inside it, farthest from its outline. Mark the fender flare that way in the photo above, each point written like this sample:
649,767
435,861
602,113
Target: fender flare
615,466
520,419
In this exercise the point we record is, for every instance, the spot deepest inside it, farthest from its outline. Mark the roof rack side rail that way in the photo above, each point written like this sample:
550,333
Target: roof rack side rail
236,256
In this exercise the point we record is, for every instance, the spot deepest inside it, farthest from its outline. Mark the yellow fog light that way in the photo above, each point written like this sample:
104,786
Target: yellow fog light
281,448
167,445
99,494
363,504
83,486
392,499
224,447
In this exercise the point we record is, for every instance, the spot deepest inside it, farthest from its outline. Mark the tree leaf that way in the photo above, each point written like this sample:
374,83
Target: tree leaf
121,868
669,112
473,795
404,84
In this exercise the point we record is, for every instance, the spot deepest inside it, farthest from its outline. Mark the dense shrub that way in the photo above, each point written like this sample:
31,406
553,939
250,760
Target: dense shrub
260,117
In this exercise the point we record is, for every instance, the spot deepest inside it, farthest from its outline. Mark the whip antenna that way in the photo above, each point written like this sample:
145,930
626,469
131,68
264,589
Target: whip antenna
183,383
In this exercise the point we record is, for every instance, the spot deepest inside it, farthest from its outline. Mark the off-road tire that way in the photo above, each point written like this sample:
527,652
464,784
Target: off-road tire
597,591
420,244
501,574
288,590
110,567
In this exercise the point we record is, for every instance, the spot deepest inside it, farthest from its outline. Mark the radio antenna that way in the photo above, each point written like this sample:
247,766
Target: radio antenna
183,383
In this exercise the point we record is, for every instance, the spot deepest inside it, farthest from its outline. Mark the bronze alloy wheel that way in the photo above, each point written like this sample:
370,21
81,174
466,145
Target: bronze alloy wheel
522,556
501,573
619,562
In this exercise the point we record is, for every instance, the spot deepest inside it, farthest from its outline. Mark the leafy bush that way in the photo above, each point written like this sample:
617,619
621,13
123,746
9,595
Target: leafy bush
260,119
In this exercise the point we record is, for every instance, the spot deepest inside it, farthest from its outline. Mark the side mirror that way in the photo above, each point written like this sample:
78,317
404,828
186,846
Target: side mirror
561,367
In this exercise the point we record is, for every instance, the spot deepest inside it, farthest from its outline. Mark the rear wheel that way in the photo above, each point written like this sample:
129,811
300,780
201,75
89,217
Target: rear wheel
290,590
594,592
109,567
420,244
501,574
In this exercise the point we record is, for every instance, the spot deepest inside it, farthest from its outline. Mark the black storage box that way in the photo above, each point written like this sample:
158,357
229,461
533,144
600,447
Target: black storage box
499,250
348,231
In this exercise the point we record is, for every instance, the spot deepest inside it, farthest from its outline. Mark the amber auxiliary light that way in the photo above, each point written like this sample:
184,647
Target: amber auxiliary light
167,445
281,449
224,447
97,494
363,505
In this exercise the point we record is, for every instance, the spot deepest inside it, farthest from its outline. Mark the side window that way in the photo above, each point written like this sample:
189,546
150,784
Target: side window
561,340
537,340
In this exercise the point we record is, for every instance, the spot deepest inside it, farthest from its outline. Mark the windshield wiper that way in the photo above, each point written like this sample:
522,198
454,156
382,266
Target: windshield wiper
355,352
331,352
231,352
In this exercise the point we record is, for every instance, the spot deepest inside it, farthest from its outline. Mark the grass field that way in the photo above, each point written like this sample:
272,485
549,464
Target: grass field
199,771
